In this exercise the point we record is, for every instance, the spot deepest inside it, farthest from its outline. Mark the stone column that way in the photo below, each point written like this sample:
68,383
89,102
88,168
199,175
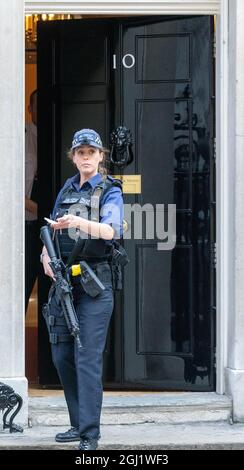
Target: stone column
12,355
235,341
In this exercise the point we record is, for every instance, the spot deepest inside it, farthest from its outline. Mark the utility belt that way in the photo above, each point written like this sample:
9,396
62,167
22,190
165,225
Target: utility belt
105,272
91,278
103,268
95,274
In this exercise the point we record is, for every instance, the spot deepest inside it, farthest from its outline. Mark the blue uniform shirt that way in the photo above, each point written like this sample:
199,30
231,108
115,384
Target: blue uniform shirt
111,203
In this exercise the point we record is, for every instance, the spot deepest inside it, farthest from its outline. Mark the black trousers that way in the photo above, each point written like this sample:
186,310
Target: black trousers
32,257
80,370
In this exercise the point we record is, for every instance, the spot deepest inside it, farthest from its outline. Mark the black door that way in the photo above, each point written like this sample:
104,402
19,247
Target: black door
167,102
74,91
154,75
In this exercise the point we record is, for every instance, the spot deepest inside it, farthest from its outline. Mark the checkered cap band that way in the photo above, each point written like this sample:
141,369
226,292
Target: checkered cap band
87,137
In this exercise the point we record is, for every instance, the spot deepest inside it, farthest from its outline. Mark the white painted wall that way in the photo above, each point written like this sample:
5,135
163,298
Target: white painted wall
235,344
12,355
223,192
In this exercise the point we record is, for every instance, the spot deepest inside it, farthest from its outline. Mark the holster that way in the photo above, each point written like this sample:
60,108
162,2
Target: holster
56,326
117,276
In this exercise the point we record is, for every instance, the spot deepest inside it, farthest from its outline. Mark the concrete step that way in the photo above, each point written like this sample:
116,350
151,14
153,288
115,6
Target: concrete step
124,409
147,436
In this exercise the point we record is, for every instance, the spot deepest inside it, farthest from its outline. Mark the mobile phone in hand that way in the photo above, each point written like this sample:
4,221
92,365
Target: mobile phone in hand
50,221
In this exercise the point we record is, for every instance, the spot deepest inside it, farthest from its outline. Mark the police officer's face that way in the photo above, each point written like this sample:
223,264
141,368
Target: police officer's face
87,159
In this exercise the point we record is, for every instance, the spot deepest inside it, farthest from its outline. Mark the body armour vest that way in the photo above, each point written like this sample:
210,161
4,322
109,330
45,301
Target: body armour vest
84,204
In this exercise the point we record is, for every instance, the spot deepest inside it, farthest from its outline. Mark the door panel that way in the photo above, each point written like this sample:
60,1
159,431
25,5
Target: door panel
168,326
74,91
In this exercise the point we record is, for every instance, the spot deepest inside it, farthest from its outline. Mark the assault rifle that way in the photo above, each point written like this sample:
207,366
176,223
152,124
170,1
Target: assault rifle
62,286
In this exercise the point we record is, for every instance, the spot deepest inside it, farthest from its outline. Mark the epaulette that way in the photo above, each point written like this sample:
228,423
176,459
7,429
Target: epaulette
114,181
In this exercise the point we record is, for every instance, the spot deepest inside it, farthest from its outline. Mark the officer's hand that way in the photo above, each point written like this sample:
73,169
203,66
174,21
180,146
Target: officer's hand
47,269
67,221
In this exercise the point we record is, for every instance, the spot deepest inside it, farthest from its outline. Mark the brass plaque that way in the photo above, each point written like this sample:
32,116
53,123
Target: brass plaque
131,183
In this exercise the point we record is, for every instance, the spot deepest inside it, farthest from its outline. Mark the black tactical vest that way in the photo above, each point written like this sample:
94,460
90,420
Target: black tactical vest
87,204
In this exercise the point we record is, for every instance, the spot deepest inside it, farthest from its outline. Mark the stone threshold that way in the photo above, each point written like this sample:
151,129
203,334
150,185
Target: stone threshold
164,407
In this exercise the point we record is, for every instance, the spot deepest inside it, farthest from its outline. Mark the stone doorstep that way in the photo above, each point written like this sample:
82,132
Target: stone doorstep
147,436
164,408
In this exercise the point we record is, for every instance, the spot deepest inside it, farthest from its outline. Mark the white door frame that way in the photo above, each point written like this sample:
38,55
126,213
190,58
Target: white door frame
162,7
124,7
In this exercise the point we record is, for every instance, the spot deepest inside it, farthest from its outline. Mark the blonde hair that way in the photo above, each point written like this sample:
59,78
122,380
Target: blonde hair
103,165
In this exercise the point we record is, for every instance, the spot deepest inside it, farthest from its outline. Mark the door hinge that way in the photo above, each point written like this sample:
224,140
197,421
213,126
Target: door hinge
214,45
213,255
114,61
214,359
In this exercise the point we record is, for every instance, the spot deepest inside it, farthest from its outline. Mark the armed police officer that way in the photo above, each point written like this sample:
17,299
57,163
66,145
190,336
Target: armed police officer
75,213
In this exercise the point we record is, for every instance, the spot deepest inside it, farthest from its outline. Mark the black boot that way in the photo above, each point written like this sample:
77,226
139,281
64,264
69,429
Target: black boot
69,436
88,443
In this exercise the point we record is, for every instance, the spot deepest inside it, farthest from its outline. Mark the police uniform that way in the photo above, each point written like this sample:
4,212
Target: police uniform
80,370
